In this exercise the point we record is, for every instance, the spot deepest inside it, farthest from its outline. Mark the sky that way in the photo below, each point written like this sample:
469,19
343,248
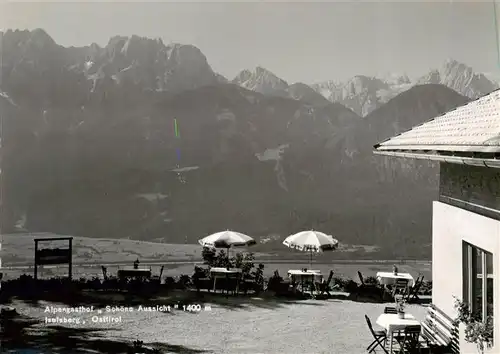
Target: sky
298,41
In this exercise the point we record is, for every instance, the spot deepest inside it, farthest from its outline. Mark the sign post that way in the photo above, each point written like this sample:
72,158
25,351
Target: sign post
51,256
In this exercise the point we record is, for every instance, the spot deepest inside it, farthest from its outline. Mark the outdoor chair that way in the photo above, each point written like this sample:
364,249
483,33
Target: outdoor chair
409,339
250,282
201,280
390,310
324,288
278,285
361,279
412,294
369,290
380,338
400,287
247,283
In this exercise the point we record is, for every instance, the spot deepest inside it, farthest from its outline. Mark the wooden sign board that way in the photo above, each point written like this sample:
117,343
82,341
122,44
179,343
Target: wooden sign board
49,256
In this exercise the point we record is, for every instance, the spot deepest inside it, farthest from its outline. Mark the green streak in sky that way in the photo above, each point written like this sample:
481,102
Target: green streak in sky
176,128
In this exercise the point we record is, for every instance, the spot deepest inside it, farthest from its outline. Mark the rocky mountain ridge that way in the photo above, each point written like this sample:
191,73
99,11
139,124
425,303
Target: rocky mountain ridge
140,64
148,64
364,94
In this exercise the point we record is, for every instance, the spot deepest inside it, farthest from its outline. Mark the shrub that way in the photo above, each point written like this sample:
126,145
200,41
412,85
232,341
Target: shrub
258,275
169,282
476,330
371,280
221,260
209,256
274,281
138,344
184,282
199,272
239,260
245,262
214,259
350,286
339,282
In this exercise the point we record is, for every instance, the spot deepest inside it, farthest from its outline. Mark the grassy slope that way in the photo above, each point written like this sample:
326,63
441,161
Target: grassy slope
18,249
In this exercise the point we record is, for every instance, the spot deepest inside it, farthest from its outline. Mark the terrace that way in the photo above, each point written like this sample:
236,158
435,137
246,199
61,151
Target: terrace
250,326
269,321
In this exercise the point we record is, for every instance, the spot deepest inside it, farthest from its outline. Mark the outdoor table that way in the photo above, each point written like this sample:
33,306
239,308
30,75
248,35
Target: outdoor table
392,323
389,278
307,275
134,273
221,272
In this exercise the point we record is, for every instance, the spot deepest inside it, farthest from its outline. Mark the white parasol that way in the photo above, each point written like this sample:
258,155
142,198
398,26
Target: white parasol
312,241
227,239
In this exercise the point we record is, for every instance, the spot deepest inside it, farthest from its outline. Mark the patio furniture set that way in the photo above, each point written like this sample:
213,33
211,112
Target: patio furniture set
303,281
232,280
402,333
228,280
389,285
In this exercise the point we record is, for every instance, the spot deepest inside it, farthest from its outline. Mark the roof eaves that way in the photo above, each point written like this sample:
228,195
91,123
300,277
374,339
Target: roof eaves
470,161
434,118
438,147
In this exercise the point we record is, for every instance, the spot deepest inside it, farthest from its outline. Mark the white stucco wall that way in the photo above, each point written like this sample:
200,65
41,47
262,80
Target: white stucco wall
451,226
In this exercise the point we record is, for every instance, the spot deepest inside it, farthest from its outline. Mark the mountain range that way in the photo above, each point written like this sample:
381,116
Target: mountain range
364,94
144,140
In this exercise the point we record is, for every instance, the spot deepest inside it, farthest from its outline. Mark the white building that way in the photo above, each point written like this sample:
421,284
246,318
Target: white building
466,216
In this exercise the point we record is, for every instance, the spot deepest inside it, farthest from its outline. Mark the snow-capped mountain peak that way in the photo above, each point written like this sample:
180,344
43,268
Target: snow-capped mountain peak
460,78
364,94
358,93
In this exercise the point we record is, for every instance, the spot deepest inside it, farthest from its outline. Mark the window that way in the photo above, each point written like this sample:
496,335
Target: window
478,280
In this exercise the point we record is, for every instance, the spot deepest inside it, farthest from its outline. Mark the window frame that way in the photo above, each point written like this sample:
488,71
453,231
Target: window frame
470,271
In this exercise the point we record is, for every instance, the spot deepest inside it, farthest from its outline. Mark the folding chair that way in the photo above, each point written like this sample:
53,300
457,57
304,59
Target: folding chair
409,294
413,293
409,340
400,287
361,278
324,288
369,290
380,338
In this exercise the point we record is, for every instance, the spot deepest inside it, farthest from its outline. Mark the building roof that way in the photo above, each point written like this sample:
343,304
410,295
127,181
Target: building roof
472,128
